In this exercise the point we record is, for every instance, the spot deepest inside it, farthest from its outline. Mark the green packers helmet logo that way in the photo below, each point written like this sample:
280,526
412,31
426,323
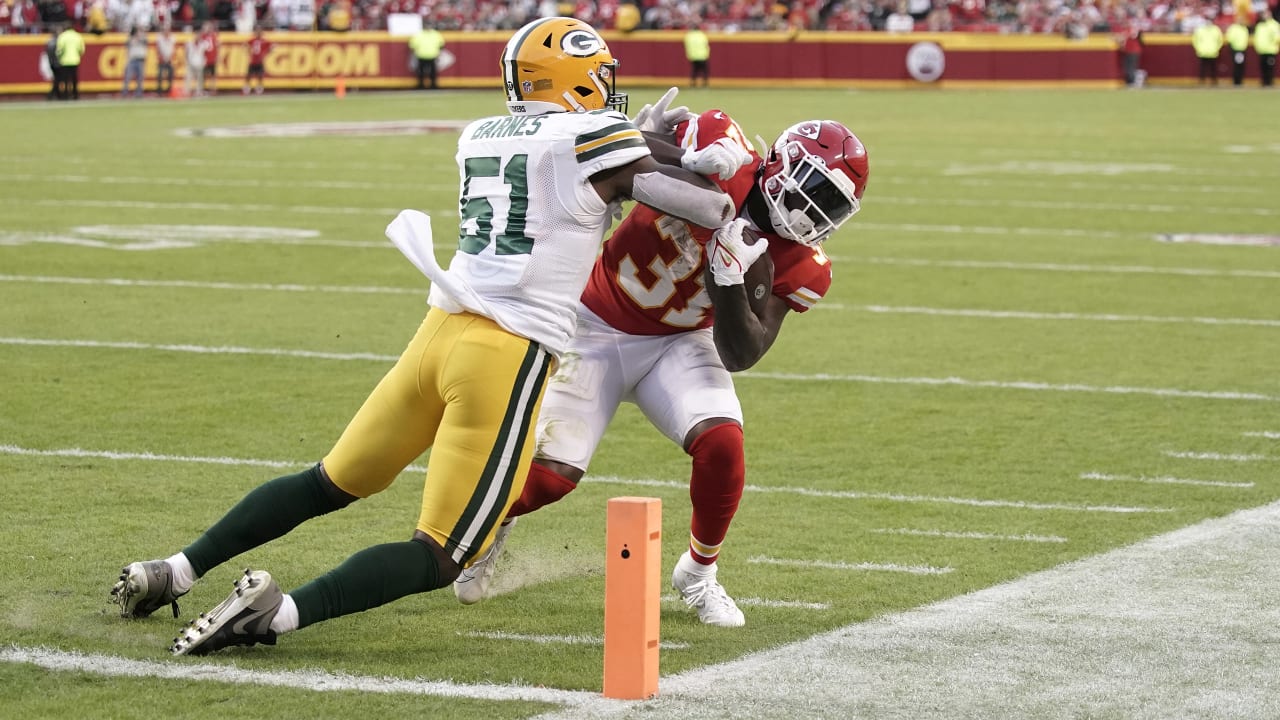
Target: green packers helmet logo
581,43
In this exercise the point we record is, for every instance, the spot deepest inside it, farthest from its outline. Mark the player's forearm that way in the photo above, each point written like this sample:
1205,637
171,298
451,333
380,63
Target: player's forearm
740,337
684,194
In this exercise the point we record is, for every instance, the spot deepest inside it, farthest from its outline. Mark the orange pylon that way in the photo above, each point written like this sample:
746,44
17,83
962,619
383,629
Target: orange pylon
340,87
633,542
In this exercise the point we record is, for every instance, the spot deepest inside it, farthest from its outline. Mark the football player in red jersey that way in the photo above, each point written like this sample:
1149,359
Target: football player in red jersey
259,46
646,333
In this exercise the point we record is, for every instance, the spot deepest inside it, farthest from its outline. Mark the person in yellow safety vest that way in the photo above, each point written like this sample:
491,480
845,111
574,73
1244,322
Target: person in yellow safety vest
70,50
426,47
697,48
1207,41
1237,36
1266,42
627,17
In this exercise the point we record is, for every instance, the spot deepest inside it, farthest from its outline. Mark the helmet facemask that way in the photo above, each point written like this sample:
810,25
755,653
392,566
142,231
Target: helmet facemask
807,200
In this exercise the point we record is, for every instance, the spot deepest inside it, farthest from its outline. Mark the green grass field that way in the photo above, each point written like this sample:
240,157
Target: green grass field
1010,372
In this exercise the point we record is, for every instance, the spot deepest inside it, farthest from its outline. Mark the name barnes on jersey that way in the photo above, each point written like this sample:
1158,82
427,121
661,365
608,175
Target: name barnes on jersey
509,126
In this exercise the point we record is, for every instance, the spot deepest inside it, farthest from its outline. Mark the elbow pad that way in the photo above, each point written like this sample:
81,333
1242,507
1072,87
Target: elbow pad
708,207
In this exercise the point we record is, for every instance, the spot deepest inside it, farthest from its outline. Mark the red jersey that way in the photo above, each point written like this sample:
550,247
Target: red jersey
648,278
258,49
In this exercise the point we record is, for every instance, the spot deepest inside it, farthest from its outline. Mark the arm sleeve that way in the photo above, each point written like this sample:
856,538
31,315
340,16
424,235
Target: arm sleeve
607,140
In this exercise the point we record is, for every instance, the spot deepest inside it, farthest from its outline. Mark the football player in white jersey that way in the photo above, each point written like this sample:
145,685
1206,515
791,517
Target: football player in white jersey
671,309
537,189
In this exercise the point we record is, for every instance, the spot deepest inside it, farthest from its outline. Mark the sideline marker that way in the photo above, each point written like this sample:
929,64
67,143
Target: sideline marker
340,87
632,591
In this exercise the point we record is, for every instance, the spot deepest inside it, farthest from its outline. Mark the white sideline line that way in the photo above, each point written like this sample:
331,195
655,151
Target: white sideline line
1064,267
851,495
1162,480
891,497
969,535
1097,317
212,206
1128,208
556,639
869,566
1268,434
1227,457
388,290
317,680
820,377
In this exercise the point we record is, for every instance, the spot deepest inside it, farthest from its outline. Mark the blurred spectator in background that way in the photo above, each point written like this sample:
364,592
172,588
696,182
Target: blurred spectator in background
246,16
1237,37
193,80
697,49
25,17
70,51
627,17
135,52
1131,49
95,18
1266,42
51,59
1207,42
164,61
209,45
900,21
258,49
426,46
336,16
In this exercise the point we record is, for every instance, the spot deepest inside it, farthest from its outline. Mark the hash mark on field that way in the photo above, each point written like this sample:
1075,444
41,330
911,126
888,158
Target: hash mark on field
819,377
556,639
969,535
1162,480
890,497
1268,434
1227,457
870,566
761,602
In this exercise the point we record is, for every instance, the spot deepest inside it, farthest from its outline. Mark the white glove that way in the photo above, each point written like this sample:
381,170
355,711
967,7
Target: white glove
722,158
659,118
730,255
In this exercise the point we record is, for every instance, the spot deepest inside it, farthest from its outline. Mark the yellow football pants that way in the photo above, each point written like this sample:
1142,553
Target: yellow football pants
470,389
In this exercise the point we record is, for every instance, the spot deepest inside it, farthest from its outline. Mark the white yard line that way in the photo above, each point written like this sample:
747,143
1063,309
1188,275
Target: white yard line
1268,434
859,566
1162,480
791,377
1062,267
6,449
555,639
316,680
1224,457
389,290
969,535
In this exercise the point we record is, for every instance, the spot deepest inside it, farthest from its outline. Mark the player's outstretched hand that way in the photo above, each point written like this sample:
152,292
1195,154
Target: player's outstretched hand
660,118
730,254
722,158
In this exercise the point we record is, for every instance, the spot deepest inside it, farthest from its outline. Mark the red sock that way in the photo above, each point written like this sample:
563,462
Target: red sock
719,472
542,487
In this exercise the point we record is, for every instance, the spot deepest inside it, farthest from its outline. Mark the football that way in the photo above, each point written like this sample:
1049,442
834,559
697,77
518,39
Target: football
758,279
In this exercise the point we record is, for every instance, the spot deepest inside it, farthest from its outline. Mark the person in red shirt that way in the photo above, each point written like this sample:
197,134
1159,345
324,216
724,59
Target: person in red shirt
258,49
208,42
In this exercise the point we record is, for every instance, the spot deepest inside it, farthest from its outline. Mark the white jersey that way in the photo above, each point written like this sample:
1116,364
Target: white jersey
531,224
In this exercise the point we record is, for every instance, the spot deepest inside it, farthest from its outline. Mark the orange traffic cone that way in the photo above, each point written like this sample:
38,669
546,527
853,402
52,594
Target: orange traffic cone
340,87
177,91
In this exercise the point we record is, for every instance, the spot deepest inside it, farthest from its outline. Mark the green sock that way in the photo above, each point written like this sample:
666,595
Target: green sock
267,512
372,577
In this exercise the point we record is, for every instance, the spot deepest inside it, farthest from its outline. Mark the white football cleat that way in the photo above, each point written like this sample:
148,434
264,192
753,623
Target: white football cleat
699,589
473,584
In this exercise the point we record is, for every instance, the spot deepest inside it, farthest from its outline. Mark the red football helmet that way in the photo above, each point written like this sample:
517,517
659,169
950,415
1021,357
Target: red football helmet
813,180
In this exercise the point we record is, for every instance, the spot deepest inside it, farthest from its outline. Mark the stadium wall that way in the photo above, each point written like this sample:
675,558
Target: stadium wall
749,59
